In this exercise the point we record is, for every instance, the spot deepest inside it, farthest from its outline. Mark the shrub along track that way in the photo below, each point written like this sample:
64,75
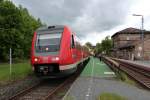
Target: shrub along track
139,73
49,89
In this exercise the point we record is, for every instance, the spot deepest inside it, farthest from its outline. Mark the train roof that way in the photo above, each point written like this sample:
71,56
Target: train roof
50,28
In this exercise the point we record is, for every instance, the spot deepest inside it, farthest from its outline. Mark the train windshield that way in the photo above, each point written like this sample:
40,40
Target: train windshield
48,42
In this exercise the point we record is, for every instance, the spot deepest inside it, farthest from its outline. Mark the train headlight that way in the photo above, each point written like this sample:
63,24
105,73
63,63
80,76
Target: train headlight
55,58
35,59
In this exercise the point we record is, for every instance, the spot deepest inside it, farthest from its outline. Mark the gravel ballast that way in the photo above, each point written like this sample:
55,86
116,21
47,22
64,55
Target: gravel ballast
9,90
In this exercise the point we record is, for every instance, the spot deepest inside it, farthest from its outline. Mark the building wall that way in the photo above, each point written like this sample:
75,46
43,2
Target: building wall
124,38
132,53
138,50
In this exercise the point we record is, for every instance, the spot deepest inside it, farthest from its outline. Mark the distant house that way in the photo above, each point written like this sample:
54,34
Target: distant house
127,44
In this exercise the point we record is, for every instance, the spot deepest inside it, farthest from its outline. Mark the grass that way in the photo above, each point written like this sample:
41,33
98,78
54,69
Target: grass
124,77
110,96
19,71
69,97
61,94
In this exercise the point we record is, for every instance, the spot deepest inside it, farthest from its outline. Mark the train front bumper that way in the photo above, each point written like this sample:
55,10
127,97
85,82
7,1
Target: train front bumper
54,70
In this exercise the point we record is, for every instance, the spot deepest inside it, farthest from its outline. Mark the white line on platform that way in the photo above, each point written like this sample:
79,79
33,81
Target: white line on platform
112,73
87,95
100,64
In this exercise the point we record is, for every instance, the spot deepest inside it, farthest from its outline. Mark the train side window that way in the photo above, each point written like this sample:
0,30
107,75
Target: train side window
72,42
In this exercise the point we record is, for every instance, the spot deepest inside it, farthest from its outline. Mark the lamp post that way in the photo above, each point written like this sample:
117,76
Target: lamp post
10,56
142,33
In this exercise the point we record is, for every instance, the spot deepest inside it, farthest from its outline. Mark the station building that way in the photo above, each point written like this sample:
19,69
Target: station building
127,44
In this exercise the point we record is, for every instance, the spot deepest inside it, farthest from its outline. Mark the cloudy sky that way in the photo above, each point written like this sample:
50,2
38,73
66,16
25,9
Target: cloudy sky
91,20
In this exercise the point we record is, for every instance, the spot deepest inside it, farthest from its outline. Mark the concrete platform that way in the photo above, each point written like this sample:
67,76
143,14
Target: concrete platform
85,89
145,63
98,78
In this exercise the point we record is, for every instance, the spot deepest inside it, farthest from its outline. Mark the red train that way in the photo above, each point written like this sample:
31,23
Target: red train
56,51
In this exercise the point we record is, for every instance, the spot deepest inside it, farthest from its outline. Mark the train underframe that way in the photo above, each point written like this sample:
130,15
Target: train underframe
53,70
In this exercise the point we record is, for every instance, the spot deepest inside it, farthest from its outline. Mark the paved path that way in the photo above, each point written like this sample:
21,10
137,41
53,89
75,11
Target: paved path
97,68
96,78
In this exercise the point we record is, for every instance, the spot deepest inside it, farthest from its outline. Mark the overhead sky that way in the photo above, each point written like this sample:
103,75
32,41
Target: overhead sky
91,20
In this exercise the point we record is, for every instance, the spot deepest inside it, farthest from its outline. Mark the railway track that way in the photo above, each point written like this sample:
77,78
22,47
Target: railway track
47,88
41,91
139,73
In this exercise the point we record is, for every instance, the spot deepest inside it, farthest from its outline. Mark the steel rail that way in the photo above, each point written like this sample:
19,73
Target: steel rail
59,87
24,91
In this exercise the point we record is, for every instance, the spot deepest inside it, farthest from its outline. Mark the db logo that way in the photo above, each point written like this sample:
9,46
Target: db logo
45,59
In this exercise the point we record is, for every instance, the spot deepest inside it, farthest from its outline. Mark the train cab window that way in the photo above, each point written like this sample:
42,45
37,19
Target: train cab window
48,42
72,42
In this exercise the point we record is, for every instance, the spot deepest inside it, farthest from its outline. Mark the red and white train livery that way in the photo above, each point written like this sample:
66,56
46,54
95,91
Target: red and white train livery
56,51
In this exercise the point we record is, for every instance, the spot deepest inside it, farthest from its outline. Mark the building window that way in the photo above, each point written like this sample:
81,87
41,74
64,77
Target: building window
128,38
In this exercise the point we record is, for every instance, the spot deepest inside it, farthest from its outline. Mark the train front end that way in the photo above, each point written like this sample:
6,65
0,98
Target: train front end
45,58
51,52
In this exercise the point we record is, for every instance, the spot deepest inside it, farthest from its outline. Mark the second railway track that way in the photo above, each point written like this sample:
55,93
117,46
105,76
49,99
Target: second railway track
138,72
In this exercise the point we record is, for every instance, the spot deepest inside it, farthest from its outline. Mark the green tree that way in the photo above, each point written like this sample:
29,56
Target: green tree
106,45
98,48
89,45
16,30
